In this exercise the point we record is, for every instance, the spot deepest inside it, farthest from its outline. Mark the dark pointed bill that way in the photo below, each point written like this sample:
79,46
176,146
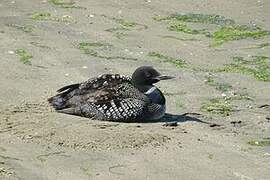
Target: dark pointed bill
163,77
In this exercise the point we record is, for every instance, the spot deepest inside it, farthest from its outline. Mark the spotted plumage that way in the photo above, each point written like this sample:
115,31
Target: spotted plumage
114,97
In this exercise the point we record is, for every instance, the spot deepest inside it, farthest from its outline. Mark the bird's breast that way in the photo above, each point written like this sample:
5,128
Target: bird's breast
156,109
155,95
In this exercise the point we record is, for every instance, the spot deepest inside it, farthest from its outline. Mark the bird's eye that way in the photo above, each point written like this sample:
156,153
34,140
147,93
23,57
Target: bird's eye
148,74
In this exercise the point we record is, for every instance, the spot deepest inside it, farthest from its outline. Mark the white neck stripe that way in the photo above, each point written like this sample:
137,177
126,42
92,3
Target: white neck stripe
152,89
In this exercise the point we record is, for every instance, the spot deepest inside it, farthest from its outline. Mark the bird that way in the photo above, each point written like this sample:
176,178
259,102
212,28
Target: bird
115,97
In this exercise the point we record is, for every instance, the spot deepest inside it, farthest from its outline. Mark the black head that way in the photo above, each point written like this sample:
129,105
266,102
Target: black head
147,76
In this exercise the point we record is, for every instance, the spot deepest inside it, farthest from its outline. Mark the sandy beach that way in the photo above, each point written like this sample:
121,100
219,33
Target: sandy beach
217,50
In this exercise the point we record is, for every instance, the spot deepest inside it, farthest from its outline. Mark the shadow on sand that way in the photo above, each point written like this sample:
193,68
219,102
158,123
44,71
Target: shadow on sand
167,118
181,118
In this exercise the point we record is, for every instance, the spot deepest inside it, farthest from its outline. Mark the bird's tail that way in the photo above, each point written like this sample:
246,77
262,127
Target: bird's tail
60,101
57,102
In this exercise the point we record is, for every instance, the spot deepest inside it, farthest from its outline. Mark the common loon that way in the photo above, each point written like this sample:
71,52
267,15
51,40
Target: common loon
114,97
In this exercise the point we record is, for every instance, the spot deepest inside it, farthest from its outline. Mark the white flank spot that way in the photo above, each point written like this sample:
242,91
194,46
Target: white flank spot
105,83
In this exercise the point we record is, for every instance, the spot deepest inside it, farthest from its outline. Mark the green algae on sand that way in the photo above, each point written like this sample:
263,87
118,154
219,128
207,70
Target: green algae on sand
182,27
203,18
45,16
219,106
257,66
223,87
90,48
231,33
258,46
125,23
197,18
64,4
118,32
25,57
259,143
226,29
24,28
175,61
123,27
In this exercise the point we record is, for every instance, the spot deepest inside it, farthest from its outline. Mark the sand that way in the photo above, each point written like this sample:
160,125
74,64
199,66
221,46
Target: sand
37,143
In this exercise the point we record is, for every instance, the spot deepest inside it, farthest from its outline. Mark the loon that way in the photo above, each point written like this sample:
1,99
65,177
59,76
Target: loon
114,97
